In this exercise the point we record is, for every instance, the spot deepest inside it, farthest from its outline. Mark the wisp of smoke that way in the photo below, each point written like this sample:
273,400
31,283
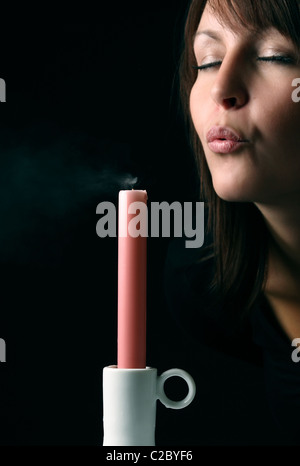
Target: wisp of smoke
47,177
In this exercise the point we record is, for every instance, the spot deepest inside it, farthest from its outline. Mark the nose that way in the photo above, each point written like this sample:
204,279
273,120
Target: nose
229,89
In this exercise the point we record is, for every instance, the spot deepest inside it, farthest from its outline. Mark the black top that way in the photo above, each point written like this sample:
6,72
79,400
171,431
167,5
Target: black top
257,337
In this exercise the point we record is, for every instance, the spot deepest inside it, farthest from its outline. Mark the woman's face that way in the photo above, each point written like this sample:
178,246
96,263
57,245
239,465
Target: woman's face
242,109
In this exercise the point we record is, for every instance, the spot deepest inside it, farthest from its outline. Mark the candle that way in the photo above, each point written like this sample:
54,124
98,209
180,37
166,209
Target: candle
132,260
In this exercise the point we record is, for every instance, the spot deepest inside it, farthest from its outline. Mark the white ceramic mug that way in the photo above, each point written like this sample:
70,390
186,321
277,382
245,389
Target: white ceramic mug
129,403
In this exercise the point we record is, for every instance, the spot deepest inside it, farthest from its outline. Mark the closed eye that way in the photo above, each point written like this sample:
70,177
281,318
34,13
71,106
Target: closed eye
281,59
208,65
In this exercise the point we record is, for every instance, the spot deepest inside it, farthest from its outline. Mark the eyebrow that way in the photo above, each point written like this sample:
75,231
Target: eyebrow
209,33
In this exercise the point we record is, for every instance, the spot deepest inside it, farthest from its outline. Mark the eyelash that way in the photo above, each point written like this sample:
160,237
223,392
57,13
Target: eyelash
283,60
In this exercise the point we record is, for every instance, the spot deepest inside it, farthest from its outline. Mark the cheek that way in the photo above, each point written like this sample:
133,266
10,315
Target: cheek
278,107
196,109
281,119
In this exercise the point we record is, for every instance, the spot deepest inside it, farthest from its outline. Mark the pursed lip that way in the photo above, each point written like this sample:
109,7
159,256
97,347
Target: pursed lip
223,140
224,133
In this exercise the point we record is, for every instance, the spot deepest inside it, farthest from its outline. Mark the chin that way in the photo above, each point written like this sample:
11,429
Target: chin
232,193
229,198
237,187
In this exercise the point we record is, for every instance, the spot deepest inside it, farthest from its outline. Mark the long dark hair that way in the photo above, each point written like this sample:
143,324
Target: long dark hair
240,236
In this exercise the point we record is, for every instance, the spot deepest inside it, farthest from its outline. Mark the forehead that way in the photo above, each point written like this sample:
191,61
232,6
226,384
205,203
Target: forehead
212,27
209,22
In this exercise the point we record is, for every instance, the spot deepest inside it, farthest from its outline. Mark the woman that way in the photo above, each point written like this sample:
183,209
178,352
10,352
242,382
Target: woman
238,65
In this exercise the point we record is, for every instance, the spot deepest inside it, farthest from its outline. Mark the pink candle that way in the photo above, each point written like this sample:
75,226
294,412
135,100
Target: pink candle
132,261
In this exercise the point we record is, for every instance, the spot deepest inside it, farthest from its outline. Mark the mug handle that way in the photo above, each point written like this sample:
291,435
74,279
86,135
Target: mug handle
161,395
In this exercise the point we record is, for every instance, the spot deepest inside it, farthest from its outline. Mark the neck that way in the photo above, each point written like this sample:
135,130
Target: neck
283,223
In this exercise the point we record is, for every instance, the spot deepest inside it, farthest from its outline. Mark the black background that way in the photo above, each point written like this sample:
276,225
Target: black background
88,104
